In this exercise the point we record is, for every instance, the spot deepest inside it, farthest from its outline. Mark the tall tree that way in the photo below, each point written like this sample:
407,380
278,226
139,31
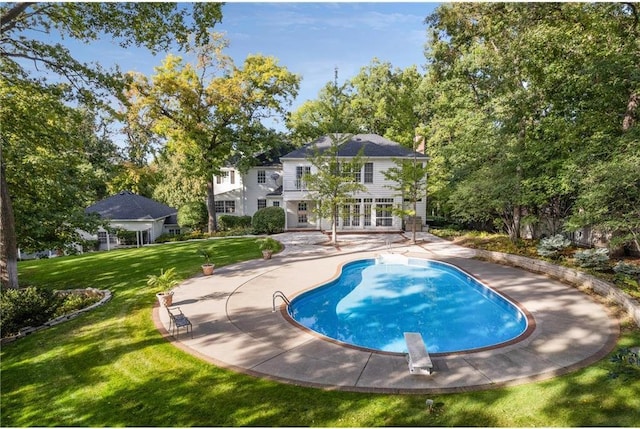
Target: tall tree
332,181
409,178
212,111
524,98
157,26
380,99
330,113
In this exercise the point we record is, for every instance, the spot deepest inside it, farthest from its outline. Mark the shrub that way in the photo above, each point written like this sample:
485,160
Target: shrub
193,215
165,281
592,258
227,222
268,220
127,237
627,270
71,302
20,308
550,247
268,244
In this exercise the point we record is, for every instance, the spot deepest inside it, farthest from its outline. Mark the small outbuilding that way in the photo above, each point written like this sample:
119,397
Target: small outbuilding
143,218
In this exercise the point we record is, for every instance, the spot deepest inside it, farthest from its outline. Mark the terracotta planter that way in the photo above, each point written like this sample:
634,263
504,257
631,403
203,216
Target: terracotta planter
207,269
266,254
165,298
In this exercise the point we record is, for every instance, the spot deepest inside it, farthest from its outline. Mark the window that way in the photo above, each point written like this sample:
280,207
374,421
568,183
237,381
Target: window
367,211
351,213
223,206
302,212
276,204
221,178
102,237
232,177
262,176
262,204
368,172
300,172
346,215
384,215
355,220
348,171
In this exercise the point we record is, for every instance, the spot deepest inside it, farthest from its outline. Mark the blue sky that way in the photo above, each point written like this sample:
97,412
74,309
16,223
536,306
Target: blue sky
310,39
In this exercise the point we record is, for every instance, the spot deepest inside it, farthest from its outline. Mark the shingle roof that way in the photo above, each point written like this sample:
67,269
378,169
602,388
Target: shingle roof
129,206
372,145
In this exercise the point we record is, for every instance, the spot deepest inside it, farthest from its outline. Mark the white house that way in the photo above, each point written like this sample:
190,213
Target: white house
243,194
131,212
370,210
280,184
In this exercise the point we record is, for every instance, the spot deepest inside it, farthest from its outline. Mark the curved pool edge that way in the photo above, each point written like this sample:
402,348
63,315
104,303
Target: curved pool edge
529,319
236,329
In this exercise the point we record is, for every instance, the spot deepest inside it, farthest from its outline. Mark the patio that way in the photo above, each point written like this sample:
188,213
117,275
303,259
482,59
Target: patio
234,326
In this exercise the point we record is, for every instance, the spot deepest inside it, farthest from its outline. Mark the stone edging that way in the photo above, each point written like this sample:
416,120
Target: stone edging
106,296
569,275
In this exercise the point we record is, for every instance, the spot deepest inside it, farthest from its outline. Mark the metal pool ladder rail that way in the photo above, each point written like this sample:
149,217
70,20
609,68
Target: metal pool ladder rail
279,294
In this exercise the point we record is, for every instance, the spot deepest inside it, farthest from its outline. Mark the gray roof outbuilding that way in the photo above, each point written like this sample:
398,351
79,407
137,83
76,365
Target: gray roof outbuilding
126,205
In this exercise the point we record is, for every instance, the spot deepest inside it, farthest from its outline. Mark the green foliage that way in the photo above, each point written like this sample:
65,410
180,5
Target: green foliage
627,269
268,244
127,237
20,308
193,215
32,307
527,116
626,364
410,183
332,182
230,222
56,164
210,112
48,172
268,220
629,274
193,235
597,259
70,302
165,281
206,254
139,179
551,247
99,379
380,99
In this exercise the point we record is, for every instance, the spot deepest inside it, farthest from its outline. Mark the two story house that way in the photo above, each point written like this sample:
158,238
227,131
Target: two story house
280,184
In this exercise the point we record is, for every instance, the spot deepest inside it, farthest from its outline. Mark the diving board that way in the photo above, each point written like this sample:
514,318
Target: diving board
418,356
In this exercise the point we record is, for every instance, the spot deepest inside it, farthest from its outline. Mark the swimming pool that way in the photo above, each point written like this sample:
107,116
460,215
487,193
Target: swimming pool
374,301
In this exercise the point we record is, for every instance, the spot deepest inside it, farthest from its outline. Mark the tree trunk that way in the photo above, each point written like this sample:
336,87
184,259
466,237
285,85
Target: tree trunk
415,216
334,226
211,208
8,242
630,115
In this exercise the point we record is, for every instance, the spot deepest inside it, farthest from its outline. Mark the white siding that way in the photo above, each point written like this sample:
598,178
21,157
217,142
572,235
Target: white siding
377,190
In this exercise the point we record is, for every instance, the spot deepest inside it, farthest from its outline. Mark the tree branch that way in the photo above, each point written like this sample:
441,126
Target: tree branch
8,20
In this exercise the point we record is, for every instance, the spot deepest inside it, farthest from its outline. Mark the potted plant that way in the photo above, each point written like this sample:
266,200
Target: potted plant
166,280
207,267
268,245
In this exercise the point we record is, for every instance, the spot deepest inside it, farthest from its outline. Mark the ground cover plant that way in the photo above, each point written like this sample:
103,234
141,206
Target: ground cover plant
623,272
111,367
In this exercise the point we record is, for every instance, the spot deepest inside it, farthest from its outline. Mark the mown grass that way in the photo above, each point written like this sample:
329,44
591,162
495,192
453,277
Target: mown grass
111,367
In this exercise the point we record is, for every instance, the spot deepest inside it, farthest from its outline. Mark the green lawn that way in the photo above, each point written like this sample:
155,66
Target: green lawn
111,367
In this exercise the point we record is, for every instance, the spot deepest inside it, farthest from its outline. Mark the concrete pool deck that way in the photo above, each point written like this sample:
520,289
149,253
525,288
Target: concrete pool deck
234,326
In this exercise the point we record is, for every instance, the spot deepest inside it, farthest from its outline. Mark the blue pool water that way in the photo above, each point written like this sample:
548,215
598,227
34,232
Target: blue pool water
372,304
